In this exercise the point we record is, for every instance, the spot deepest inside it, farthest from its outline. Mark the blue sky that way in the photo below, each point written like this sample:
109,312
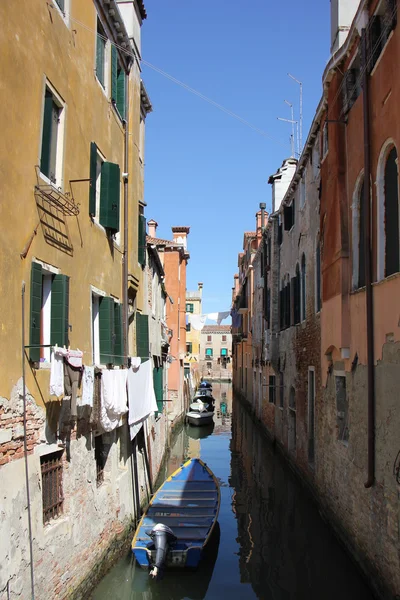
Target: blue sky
204,168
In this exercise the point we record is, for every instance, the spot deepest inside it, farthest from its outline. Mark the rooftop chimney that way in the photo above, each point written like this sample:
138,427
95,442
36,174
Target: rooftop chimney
152,228
200,286
180,235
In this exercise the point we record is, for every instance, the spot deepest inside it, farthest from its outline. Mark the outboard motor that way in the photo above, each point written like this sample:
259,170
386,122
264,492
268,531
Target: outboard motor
163,538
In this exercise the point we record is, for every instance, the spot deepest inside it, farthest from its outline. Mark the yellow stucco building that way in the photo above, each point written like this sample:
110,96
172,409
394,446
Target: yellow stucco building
193,307
72,258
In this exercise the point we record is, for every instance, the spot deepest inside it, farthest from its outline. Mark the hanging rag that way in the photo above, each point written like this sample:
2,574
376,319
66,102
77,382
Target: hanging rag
135,362
236,319
96,410
222,315
136,427
212,316
74,358
57,374
141,396
72,378
113,398
88,386
197,321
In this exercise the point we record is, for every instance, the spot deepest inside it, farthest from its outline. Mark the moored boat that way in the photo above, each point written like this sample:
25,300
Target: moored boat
179,519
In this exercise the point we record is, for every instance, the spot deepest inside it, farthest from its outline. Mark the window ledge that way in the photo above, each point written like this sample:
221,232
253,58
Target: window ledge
387,278
358,290
48,181
103,89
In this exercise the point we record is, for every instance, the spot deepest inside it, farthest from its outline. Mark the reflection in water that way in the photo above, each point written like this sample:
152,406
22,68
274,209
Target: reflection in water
273,543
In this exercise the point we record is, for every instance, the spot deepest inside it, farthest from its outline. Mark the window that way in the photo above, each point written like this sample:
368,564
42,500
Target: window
318,299
341,408
142,336
100,456
209,365
288,212
361,238
224,338
209,339
142,240
48,311
188,327
209,352
118,83
303,288
325,141
285,305
392,245
224,351
189,307
351,85
104,191
107,337
158,383
272,389
101,43
52,138
52,488
379,28
189,347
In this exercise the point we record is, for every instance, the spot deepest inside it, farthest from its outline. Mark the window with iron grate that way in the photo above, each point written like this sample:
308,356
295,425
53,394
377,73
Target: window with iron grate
52,489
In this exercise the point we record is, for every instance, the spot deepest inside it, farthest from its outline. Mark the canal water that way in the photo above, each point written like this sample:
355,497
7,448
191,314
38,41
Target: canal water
271,542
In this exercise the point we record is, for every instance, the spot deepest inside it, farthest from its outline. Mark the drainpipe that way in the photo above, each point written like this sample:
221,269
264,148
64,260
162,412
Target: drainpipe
368,271
125,325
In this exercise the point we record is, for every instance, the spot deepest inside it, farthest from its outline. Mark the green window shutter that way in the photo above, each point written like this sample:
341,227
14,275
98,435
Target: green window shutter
46,135
106,330
158,388
109,196
59,310
142,241
142,336
100,47
35,309
93,172
118,339
114,73
121,93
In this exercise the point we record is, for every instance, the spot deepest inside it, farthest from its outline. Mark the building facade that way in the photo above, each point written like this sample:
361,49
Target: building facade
72,198
216,352
329,359
193,307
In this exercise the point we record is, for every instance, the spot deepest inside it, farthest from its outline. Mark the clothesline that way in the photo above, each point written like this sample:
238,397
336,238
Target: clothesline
83,351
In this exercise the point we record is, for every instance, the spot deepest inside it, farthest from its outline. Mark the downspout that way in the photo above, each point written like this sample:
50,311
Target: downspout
125,323
368,271
28,499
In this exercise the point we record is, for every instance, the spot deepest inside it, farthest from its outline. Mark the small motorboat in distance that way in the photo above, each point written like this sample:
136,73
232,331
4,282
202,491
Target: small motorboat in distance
179,520
200,412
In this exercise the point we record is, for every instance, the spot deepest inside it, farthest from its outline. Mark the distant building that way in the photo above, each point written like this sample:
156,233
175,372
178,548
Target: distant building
216,352
193,307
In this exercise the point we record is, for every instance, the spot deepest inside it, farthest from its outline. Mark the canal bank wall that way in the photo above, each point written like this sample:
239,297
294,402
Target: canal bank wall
377,585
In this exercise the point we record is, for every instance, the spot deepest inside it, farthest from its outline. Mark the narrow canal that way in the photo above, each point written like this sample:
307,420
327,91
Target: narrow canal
271,543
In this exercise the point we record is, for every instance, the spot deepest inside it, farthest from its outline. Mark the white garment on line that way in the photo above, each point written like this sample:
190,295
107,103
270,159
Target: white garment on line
135,362
113,397
197,321
136,427
74,357
87,386
222,316
141,396
57,374
212,316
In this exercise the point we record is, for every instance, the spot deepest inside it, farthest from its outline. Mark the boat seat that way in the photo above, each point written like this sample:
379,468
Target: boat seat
182,513
186,533
178,522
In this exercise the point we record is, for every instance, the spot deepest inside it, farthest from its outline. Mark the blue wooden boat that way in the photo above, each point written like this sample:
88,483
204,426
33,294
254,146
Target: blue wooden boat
187,505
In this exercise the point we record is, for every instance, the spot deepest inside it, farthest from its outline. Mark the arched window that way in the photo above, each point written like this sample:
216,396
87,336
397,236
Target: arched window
318,302
297,295
391,215
303,287
388,212
358,234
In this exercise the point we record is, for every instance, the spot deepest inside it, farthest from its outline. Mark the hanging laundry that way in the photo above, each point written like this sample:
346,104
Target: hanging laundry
74,358
136,427
212,316
72,379
236,318
57,374
113,398
135,362
222,315
141,396
197,321
87,386
96,410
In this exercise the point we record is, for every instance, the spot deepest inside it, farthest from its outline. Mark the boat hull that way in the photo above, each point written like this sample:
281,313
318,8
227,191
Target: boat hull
199,418
188,502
